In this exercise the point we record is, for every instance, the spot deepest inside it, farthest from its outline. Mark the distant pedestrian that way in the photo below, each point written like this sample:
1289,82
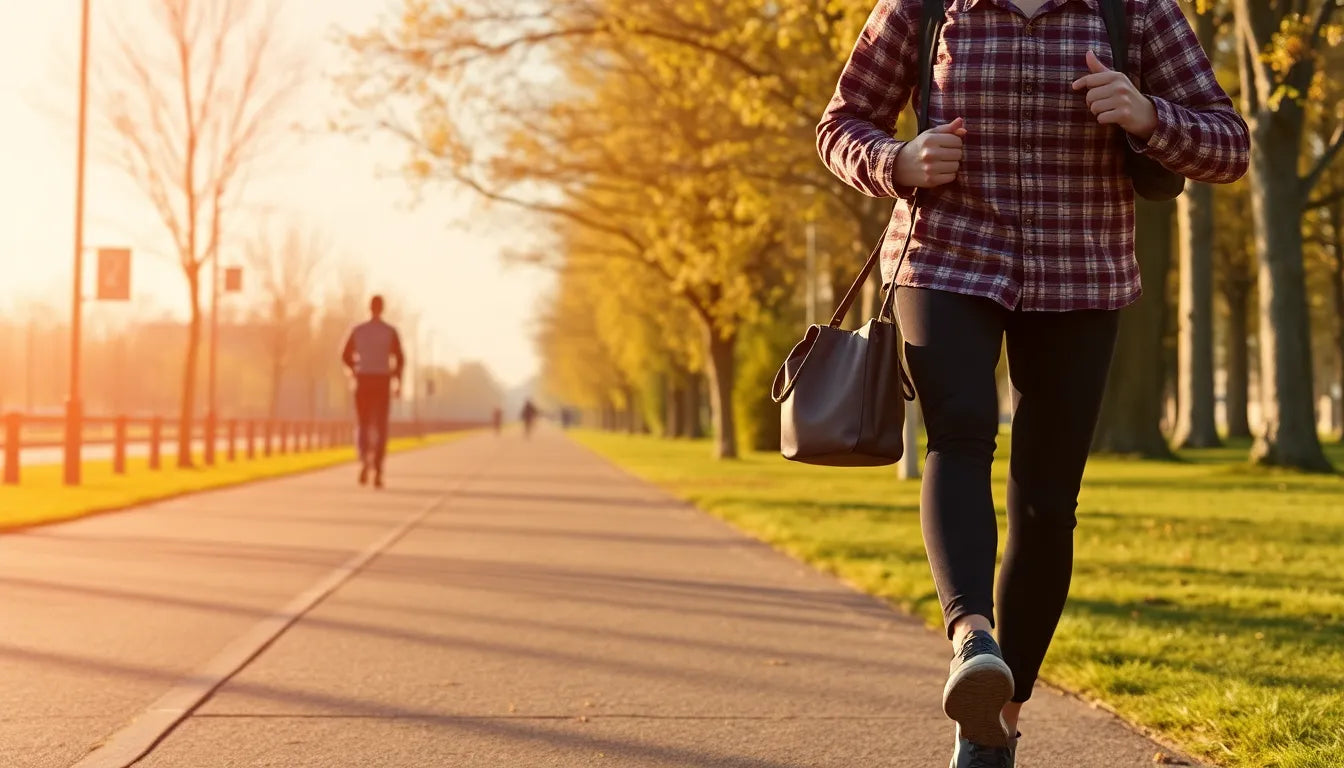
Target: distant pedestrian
375,360
1024,230
529,414
497,418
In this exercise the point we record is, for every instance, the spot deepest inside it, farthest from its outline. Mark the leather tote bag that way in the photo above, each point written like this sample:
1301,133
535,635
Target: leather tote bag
841,393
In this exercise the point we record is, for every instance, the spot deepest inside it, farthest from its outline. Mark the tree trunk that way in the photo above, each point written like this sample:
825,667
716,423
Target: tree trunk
1288,436
722,371
693,426
1237,397
1337,284
1131,411
187,414
672,403
1195,424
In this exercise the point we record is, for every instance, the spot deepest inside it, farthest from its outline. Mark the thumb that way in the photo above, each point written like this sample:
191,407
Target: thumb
1094,64
952,127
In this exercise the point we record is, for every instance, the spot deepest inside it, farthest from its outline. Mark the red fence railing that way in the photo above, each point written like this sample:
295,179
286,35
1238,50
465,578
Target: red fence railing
235,438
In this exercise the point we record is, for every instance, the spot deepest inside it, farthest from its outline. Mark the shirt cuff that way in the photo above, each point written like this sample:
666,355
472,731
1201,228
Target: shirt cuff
886,170
1164,135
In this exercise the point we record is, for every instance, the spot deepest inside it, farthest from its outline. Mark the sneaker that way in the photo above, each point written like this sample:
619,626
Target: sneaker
364,474
968,754
978,687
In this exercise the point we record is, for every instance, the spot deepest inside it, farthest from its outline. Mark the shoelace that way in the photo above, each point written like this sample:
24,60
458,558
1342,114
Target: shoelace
989,757
977,644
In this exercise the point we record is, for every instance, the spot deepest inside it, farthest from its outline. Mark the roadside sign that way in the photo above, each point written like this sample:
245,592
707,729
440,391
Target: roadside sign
233,279
114,274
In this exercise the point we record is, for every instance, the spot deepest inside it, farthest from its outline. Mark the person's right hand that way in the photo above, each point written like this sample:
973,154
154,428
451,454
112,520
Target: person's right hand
932,158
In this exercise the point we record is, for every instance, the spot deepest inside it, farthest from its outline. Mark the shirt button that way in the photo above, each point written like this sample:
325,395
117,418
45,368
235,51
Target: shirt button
1030,252
1028,88
1030,221
1030,30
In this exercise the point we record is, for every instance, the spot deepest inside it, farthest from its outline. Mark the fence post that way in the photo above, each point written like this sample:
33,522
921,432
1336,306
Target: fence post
267,442
155,442
233,438
284,438
251,439
119,446
13,443
210,435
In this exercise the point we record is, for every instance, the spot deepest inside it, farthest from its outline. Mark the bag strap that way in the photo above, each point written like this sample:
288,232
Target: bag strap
932,17
1113,14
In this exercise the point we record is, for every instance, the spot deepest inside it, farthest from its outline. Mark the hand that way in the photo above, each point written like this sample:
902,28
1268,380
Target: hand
1115,100
396,389
932,158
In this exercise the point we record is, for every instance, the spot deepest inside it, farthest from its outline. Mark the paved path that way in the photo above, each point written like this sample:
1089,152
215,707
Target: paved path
503,603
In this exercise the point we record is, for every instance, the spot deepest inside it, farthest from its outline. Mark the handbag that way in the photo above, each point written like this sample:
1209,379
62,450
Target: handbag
841,393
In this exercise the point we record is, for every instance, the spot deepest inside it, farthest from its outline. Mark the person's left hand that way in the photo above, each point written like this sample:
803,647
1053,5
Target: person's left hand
1115,100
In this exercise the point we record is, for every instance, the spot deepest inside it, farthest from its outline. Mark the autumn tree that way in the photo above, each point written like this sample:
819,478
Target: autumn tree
676,129
1279,50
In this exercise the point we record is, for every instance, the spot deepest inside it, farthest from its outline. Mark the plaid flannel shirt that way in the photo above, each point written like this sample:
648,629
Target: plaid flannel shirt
1041,215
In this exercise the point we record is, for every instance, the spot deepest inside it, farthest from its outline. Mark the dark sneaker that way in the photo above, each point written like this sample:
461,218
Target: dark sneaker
971,755
977,690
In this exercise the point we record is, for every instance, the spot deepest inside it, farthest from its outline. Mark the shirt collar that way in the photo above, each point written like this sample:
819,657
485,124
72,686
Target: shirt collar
966,5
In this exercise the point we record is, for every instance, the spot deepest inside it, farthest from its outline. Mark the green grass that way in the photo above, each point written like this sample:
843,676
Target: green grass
41,498
1207,602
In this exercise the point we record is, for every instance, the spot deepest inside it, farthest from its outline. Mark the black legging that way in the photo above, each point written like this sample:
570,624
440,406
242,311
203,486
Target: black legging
373,404
1058,362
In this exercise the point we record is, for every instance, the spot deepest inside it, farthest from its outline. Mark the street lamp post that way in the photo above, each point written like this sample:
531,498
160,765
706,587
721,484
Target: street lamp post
74,427
212,412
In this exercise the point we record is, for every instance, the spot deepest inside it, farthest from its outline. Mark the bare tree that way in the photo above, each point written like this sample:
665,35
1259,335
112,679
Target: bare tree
286,263
191,98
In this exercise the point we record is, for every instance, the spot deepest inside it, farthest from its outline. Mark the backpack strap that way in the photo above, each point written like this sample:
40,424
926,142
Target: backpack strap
931,20
1113,14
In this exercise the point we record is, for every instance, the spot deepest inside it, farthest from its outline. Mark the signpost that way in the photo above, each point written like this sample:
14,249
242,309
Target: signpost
114,274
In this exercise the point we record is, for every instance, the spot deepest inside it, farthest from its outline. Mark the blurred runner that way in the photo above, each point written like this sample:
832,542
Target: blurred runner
374,359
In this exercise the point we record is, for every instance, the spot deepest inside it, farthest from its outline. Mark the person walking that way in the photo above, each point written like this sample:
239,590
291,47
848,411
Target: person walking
374,359
529,415
1024,230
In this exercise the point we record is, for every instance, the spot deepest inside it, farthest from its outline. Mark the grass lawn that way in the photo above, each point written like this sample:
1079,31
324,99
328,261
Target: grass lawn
42,498
1207,602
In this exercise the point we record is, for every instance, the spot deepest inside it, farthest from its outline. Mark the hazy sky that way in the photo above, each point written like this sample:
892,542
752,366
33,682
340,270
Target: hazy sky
476,307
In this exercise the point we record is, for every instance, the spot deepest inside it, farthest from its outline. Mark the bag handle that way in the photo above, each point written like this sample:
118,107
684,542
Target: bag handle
931,22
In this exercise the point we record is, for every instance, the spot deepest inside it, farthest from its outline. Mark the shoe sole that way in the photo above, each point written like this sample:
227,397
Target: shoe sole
975,696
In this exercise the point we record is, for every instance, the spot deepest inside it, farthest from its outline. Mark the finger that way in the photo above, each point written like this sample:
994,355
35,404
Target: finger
1107,105
952,154
1096,80
944,140
1094,64
1108,91
951,127
941,179
1114,117
943,168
